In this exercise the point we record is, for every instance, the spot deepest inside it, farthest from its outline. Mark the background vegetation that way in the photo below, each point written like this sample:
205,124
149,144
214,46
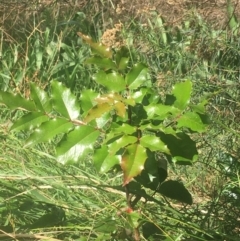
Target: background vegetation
42,199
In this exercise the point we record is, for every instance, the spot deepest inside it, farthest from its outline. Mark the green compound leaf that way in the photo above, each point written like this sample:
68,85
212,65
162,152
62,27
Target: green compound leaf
112,98
103,63
103,120
48,130
76,144
113,81
29,121
125,129
132,162
120,143
160,127
154,143
16,101
137,76
122,58
192,121
139,94
87,99
182,147
182,92
64,101
122,65
103,160
97,111
176,190
40,98
160,110
200,107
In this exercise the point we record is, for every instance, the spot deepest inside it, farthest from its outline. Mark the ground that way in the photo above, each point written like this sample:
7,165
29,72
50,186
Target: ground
173,11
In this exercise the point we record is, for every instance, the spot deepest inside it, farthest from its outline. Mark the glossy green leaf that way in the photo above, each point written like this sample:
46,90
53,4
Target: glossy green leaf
122,58
200,108
129,101
113,81
182,92
16,101
192,121
102,63
111,137
139,95
137,76
120,143
64,101
103,120
48,130
123,63
160,127
168,130
40,98
115,99
76,144
103,160
138,114
160,110
29,121
175,190
149,177
87,99
125,129
109,98
98,48
97,111
153,143
132,162
182,147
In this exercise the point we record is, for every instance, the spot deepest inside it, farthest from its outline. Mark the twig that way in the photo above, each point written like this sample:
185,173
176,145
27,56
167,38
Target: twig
30,236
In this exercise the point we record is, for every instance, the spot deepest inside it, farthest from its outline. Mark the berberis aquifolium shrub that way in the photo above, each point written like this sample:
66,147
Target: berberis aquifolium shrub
127,126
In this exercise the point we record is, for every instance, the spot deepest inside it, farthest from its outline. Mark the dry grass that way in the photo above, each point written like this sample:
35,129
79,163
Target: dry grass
174,11
15,14
114,14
